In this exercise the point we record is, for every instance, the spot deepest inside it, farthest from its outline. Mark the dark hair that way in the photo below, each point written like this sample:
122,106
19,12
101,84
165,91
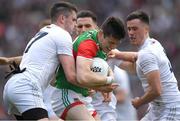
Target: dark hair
138,15
61,8
113,26
87,13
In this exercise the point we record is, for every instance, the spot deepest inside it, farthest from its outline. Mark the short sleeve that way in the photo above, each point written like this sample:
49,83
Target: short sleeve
88,49
147,62
64,44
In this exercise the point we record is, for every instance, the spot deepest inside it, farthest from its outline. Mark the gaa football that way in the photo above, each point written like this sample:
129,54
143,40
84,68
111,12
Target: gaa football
100,66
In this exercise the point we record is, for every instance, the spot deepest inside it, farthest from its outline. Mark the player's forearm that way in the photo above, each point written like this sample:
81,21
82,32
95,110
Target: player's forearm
73,80
91,79
120,95
76,83
4,61
127,56
105,88
123,55
71,77
17,60
128,66
149,96
10,60
154,89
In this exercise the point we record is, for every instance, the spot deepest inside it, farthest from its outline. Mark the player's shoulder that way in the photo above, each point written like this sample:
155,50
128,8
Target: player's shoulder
151,52
152,47
92,34
57,33
146,53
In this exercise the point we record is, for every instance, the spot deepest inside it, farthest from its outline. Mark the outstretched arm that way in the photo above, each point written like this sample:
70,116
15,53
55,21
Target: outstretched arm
6,61
124,60
123,55
154,90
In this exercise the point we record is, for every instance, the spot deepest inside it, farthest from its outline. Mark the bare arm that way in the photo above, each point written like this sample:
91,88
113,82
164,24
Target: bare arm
6,61
68,65
106,88
124,60
153,92
123,55
120,95
125,65
128,66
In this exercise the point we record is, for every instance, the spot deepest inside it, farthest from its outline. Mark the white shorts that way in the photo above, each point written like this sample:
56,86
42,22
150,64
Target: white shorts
88,103
21,95
108,116
59,101
106,110
63,99
48,92
168,112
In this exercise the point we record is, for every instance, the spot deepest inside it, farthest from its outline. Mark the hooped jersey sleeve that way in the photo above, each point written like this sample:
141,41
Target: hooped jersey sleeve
147,62
64,45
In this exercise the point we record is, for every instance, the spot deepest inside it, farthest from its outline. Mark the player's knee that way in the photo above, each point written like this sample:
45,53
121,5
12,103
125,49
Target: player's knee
35,114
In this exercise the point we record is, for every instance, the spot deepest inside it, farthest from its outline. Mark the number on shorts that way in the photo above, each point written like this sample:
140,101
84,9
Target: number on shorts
37,37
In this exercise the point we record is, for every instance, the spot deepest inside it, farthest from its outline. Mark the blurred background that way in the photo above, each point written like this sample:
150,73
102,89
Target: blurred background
19,20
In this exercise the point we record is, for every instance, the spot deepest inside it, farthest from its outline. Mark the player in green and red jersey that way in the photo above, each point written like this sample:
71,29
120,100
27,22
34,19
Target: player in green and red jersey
89,45
94,43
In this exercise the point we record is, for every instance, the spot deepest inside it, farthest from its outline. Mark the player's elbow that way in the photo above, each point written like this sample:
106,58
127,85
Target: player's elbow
157,92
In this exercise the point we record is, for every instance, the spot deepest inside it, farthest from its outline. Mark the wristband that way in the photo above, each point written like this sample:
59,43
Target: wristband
109,80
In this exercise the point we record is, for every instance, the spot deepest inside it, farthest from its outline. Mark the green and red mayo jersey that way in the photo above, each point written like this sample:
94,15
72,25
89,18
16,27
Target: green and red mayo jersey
86,45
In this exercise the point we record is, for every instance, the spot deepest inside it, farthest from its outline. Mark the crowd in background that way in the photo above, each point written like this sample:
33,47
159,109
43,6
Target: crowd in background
19,20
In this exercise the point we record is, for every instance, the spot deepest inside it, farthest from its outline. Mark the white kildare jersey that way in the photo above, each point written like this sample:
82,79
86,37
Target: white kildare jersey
47,98
106,110
152,56
40,57
125,111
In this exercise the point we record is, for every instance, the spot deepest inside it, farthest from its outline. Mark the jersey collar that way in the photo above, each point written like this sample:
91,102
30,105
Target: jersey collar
146,42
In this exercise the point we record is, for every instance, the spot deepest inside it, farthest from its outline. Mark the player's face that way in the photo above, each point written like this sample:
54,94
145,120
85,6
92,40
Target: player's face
108,43
70,22
137,31
85,24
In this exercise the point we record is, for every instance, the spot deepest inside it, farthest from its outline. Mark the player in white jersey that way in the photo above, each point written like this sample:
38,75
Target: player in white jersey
106,109
86,20
47,97
154,70
124,109
51,46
